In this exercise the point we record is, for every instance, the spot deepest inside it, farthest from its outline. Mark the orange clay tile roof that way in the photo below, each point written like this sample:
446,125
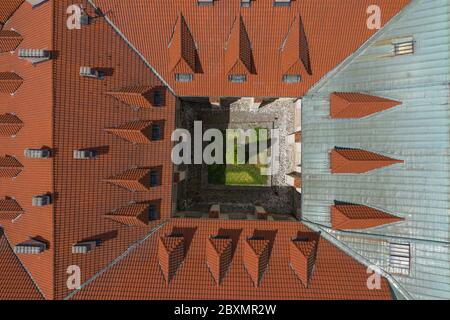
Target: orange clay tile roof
295,58
9,40
9,82
135,214
10,125
137,275
333,30
219,255
346,160
7,9
137,179
302,255
62,111
351,105
171,250
134,132
183,56
33,104
9,209
15,283
354,216
256,258
238,50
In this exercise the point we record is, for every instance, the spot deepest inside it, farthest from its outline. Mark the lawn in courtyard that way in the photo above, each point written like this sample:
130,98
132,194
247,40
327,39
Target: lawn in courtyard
238,174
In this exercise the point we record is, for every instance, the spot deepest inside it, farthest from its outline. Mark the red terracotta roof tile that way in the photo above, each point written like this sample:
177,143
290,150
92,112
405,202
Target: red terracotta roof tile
10,167
351,105
136,214
137,179
171,255
354,216
135,96
33,105
295,57
7,9
135,132
9,40
9,209
15,283
333,29
303,252
9,82
219,256
345,160
138,274
238,50
183,57
10,125
256,258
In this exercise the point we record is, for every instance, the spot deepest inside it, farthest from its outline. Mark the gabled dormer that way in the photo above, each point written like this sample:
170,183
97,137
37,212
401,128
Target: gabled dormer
10,82
7,9
256,257
302,255
170,254
348,216
139,132
183,55
295,57
219,256
10,167
137,179
347,160
10,125
352,105
9,209
9,40
140,96
239,62
136,214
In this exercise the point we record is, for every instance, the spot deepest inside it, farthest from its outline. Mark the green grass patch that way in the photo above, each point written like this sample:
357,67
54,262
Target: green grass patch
237,174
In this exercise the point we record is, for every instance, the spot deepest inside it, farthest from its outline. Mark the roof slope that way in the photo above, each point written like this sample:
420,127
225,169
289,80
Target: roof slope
15,283
80,118
138,275
30,109
333,29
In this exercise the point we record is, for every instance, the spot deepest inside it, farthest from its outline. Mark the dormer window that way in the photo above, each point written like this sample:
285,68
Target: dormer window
154,178
184,77
156,132
246,3
158,98
292,78
204,3
403,46
237,78
282,3
153,212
